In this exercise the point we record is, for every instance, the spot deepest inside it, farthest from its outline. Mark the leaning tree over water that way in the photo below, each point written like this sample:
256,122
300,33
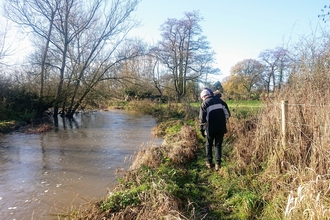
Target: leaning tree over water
80,43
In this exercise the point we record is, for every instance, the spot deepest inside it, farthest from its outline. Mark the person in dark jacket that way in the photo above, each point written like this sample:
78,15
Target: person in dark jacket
213,116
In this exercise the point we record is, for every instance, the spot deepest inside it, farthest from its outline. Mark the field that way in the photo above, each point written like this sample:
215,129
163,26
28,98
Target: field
244,108
244,103
238,103
240,108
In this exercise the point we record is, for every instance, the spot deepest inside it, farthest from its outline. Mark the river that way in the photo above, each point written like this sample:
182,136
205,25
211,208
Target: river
48,173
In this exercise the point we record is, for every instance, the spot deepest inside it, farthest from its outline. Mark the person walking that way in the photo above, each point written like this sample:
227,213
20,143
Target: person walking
213,117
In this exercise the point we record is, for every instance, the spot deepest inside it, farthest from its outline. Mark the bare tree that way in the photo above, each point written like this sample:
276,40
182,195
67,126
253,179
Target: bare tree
81,41
6,45
3,49
276,62
145,79
155,72
39,16
185,51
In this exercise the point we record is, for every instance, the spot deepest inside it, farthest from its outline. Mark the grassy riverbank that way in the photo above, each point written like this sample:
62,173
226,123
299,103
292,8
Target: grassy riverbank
171,181
261,178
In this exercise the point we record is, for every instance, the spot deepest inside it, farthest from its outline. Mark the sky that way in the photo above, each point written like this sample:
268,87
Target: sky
236,29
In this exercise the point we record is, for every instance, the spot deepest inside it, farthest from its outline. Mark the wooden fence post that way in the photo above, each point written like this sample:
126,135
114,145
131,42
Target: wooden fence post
284,107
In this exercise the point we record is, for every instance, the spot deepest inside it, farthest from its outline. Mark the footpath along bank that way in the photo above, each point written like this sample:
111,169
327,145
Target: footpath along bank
171,181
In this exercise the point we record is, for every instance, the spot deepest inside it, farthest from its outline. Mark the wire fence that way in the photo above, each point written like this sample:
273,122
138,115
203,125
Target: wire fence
303,118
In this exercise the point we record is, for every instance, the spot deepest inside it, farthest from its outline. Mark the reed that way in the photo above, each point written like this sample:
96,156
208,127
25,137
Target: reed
298,169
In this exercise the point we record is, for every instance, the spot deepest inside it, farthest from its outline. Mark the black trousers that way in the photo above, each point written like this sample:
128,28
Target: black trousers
217,139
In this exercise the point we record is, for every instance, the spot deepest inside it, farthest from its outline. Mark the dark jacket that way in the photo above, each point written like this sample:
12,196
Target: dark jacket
212,116
224,104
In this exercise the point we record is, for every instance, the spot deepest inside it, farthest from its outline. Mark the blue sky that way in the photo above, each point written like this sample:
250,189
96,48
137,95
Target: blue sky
236,29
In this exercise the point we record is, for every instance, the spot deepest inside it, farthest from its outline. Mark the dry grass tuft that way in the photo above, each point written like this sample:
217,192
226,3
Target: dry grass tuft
178,148
39,129
154,203
310,200
181,147
150,157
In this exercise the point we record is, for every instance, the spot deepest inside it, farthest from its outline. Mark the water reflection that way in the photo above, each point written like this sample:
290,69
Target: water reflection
44,173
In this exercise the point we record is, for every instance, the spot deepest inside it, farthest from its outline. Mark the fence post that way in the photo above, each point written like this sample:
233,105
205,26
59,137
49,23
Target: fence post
284,107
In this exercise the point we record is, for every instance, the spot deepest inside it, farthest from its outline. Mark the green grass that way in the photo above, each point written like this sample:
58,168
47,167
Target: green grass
244,103
240,108
237,103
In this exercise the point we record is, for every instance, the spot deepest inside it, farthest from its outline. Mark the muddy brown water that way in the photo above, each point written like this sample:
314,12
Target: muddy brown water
46,174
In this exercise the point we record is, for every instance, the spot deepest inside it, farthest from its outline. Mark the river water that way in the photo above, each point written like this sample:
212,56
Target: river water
46,174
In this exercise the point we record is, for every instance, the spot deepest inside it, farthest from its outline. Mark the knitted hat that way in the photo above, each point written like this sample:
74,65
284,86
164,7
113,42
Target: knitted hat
210,91
205,92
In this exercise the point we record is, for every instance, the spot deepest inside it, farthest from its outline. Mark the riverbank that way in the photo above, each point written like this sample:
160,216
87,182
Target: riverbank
171,180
